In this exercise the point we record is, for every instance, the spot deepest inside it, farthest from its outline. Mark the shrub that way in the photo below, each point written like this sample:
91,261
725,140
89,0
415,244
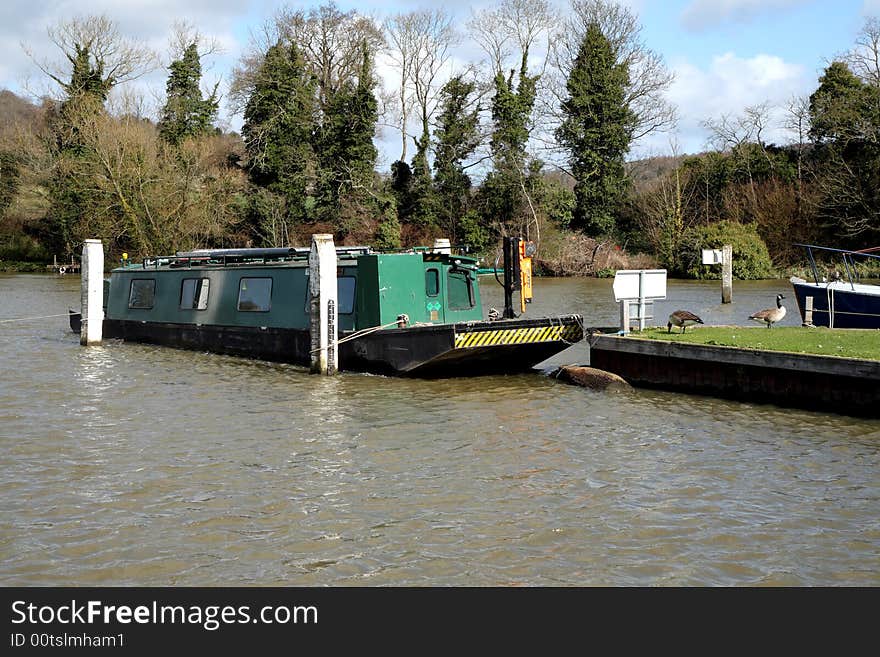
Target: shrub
751,259
23,249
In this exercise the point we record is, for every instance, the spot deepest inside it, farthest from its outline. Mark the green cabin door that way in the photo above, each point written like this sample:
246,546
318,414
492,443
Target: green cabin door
435,309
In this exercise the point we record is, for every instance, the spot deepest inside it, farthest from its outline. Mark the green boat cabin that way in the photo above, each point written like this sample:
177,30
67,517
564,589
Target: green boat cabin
251,291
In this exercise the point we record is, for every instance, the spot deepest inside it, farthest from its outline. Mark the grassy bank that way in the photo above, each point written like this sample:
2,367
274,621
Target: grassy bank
847,343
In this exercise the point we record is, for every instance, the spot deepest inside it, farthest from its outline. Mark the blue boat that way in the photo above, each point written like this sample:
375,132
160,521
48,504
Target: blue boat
839,296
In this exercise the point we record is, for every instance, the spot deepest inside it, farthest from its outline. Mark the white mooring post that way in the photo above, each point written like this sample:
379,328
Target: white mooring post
92,288
322,307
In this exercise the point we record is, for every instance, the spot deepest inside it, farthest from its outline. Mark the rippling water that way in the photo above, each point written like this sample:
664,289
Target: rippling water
129,464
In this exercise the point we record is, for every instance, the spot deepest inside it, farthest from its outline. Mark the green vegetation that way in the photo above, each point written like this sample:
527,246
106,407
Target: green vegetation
186,114
458,135
596,132
521,146
751,260
278,134
846,343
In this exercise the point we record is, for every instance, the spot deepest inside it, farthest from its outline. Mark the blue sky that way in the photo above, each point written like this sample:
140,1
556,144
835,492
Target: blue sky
726,54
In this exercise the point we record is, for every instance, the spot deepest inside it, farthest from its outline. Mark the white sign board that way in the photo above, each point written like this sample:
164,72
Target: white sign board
640,284
711,256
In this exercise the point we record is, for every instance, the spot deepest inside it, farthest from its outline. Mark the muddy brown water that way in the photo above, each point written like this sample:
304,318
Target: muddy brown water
135,465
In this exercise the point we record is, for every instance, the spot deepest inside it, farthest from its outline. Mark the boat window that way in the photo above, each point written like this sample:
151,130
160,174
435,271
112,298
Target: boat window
460,290
142,293
194,293
345,294
345,287
255,295
432,282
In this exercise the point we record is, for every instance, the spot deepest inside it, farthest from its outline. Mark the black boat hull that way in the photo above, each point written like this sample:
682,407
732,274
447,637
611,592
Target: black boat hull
444,350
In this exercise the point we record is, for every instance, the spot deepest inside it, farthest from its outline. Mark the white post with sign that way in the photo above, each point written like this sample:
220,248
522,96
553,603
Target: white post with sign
723,257
641,286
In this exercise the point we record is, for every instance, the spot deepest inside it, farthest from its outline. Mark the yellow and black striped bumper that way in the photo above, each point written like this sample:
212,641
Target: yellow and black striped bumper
570,333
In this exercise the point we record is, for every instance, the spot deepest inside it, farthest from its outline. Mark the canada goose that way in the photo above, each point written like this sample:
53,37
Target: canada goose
771,315
682,318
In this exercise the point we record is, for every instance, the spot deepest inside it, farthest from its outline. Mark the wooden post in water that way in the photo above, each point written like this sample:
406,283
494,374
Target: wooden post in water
322,305
726,273
92,293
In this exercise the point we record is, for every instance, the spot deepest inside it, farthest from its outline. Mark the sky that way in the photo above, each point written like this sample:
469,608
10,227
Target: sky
726,55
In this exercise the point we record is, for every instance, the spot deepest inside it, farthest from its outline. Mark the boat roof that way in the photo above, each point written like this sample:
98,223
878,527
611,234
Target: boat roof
220,258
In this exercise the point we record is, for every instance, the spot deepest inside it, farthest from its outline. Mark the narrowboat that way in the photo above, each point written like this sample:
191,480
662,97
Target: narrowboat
414,312
839,296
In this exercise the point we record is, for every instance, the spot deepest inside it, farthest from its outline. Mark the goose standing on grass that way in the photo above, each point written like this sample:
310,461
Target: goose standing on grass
771,315
682,318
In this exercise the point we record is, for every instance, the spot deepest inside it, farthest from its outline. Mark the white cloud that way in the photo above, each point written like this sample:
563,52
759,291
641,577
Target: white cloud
727,87
702,14
871,7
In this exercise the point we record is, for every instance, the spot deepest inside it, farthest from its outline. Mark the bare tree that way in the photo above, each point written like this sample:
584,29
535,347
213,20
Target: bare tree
797,121
648,76
510,34
402,51
331,41
434,37
864,58
183,35
118,59
512,28
735,133
662,212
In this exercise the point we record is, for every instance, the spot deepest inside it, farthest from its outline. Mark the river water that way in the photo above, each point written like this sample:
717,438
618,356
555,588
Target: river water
135,465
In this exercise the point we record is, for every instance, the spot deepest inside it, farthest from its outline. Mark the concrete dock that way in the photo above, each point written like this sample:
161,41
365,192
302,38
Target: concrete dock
840,385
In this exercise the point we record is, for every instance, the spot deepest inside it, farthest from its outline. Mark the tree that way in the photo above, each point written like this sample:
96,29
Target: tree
346,152
845,124
93,43
186,114
748,158
331,42
338,50
457,136
648,78
843,108
596,130
517,25
96,58
420,49
279,130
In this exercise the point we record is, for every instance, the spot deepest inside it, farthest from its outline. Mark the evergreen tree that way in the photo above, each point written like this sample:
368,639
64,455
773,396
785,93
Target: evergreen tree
347,155
422,196
844,109
457,137
401,188
186,113
596,131
85,96
279,129
72,126
502,199
845,123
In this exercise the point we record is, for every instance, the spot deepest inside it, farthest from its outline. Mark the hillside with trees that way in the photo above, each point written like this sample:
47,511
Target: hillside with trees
528,141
